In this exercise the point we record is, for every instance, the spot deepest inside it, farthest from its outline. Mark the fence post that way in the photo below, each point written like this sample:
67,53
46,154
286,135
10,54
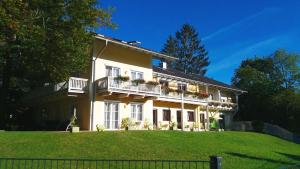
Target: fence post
215,162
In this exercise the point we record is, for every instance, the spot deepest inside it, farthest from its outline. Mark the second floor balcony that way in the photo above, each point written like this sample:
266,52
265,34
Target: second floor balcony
112,84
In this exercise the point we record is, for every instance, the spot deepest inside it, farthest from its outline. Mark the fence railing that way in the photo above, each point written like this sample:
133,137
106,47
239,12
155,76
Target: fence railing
77,85
110,84
28,163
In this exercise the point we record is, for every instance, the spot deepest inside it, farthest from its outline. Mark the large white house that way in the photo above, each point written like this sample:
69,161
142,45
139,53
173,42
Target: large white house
122,83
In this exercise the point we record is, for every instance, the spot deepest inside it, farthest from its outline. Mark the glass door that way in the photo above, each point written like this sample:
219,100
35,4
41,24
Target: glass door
113,72
111,115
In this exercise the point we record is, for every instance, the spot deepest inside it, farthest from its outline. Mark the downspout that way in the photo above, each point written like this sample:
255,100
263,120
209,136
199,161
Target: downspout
93,87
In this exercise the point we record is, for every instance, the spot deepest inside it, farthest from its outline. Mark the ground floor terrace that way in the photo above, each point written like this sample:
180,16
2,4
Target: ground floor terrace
142,113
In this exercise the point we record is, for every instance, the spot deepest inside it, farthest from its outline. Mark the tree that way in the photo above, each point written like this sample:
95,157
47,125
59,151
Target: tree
187,47
45,41
288,66
271,83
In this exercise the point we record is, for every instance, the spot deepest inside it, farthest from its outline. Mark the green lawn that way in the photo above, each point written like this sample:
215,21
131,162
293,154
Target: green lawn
243,150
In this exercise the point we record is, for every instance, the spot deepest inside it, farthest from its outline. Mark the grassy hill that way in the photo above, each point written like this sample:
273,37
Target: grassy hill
243,150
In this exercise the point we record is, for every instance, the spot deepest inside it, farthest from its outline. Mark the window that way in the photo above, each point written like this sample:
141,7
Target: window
112,71
181,86
166,115
191,115
137,112
111,115
164,83
137,75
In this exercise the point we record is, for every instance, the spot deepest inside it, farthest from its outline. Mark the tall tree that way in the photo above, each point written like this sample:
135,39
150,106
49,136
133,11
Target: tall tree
45,41
188,48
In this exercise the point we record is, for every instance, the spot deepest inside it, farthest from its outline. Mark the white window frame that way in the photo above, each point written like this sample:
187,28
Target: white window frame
135,115
188,117
109,122
112,70
136,74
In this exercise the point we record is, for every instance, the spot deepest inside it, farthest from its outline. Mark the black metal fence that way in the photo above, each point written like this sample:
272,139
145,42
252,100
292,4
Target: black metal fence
28,163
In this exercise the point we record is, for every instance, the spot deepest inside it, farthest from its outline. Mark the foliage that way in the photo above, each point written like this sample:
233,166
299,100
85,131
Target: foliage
188,48
272,85
73,121
186,126
172,125
122,78
38,37
100,128
138,81
195,125
154,83
125,123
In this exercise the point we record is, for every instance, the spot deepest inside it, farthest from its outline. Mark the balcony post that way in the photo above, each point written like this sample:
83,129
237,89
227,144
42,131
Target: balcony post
69,84
207,118
219,95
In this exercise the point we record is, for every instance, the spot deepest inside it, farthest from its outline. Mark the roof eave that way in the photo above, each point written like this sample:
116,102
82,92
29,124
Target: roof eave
156,54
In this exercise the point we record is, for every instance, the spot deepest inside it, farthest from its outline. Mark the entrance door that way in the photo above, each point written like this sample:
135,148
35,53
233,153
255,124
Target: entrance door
155,118
111,115
179,123
202,121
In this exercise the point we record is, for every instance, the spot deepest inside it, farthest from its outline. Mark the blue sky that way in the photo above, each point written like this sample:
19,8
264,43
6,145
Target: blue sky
231,30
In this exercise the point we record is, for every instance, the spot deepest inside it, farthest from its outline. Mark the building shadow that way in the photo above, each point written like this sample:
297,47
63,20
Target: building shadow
240,155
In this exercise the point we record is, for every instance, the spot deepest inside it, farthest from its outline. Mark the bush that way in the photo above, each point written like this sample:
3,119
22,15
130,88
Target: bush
257,125
100,128
125,123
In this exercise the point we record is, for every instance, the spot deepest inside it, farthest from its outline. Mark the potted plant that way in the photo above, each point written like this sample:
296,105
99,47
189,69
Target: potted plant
121,78
186,127
100,128
138,81
153,83
125,123
74,125
213,123
196,126
172,125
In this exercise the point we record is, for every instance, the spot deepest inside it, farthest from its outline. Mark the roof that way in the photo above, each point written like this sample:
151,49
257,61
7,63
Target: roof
176,73
135,47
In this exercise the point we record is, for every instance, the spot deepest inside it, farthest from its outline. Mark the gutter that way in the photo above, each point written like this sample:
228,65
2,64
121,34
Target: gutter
93,87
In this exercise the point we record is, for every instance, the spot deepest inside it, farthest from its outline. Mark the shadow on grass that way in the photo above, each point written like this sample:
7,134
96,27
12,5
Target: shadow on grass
290,156
240,155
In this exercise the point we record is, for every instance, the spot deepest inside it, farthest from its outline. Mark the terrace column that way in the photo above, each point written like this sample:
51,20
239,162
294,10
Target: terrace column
207,118
237,101
219,95
183,118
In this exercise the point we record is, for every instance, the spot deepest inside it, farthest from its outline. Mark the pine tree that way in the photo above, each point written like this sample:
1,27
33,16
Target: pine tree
188,48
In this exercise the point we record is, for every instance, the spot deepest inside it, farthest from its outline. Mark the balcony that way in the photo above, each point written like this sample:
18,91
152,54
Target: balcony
77,85
177,96
109,84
